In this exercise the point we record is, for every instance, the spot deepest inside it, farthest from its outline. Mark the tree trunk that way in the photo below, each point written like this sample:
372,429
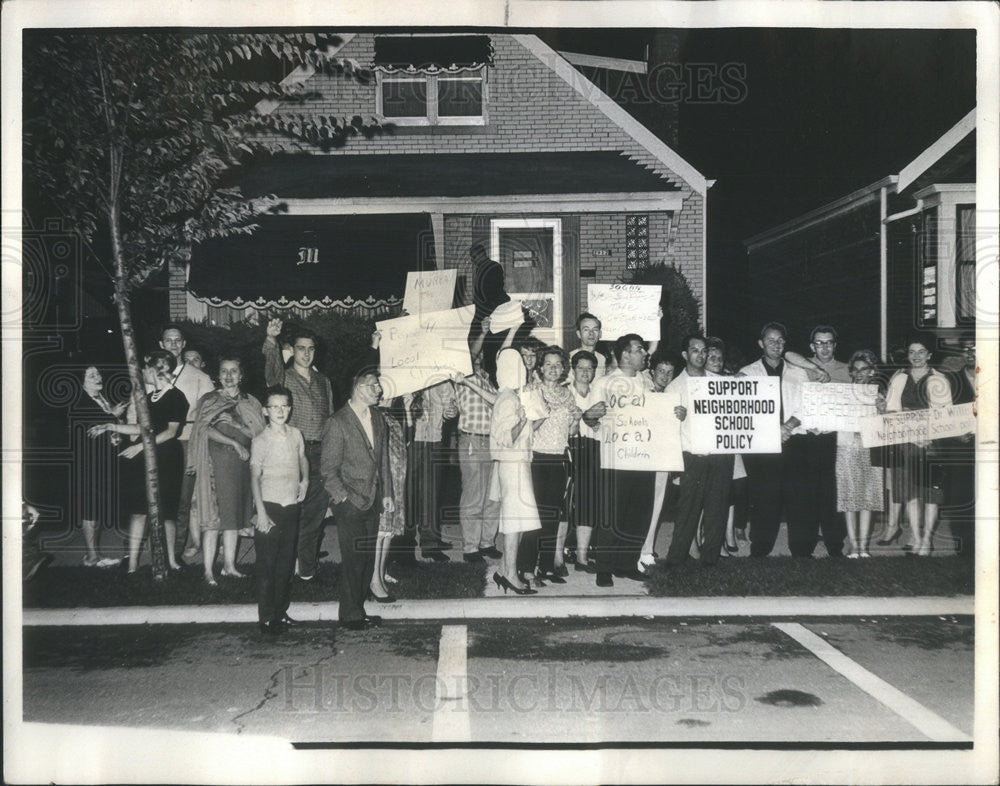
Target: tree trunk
157,542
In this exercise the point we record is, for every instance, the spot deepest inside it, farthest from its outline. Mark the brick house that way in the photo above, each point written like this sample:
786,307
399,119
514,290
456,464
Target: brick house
497,139
895,256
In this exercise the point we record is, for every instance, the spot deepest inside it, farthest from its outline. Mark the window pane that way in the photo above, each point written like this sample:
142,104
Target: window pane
928,266
404,97
965,288
460,97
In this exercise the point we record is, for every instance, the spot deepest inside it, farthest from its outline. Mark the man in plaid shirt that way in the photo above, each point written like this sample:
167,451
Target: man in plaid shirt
479,514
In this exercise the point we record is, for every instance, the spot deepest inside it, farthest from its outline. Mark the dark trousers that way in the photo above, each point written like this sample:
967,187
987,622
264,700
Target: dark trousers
739,499
811,494
184,503
766,484
548,479
357,531
704,490
423,474
276,560
618,542
313,513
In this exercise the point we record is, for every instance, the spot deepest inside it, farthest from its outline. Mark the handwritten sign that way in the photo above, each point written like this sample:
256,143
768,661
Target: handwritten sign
836,406
420,350
641,436
734,414
917,425
429,290
626,308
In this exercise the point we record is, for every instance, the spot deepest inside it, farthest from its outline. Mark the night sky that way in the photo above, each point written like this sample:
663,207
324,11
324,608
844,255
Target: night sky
823,113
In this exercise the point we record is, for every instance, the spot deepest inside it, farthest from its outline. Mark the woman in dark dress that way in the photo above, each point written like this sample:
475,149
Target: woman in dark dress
95,465
167,411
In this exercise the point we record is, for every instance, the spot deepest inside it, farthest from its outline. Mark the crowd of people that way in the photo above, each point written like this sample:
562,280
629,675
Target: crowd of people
526,427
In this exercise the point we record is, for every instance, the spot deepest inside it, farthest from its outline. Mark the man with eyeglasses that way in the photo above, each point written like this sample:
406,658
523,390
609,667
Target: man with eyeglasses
812,457
769,474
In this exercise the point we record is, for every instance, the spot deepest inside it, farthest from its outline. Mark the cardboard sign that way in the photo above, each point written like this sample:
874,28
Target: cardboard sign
917,425
420,350
626,308
642,436
836,406
734,414
428,291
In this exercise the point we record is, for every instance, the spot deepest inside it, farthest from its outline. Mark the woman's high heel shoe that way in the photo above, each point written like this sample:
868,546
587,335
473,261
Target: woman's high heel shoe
381,598
893,539
502,581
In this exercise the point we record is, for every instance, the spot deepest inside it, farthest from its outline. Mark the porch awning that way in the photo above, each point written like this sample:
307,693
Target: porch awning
450,175
308,261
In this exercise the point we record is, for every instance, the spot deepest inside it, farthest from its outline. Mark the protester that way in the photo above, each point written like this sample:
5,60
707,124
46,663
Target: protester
859,484
479,515
916,477
227,422
961,482
589,497
167,412
618,542
95,465
717,362
358,479
588,330
704,492
391,523
659,375
192,357
194,383
553,414
510,446
770,474
279,479
313,399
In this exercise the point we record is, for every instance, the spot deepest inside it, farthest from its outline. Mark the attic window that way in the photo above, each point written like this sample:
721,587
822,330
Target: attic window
432,80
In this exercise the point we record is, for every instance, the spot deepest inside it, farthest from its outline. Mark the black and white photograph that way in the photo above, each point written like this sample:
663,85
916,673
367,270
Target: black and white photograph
515,392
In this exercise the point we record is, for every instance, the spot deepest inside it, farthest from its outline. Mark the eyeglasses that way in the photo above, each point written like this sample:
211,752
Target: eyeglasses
825,343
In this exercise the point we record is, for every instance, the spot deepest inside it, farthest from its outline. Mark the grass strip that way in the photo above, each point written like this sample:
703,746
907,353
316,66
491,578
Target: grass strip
785,576
75,587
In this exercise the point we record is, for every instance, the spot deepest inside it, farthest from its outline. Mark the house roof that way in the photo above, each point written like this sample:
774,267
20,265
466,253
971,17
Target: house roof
308,176
951,158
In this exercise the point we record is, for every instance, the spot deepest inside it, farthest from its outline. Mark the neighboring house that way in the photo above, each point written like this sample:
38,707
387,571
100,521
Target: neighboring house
890,258
497,139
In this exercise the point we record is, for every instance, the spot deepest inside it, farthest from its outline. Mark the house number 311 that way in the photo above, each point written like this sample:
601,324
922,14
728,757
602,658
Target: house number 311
308,256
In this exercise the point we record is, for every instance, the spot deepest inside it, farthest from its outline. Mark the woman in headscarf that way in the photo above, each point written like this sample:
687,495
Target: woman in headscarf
510,446
218,454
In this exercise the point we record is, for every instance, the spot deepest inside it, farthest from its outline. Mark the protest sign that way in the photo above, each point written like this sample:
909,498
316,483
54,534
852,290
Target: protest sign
734,414
917,425
644,435
626,308
836,406
428,291
420,350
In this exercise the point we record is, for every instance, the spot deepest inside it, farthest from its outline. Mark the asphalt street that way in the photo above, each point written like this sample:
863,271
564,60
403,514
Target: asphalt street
518,681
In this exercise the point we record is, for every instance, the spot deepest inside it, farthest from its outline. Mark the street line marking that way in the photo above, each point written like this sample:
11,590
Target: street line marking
451,714
910,710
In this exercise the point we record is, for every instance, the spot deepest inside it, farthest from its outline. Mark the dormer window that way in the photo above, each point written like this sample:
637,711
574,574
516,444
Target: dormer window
432,80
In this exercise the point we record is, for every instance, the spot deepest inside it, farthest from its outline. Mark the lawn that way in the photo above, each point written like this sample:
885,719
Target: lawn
783,576
69,587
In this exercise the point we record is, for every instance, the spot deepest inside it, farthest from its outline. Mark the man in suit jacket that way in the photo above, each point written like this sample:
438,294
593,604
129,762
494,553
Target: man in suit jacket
355,470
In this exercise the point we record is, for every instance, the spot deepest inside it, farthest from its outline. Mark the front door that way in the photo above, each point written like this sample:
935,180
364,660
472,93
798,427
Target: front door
530,251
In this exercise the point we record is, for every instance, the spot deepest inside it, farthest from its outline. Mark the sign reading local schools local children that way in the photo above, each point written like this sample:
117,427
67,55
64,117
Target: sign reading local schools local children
626,308
640,432
734,414
420,350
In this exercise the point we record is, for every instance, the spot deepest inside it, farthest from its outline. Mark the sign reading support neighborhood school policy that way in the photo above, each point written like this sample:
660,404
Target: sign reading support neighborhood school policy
918,425
641,433
626,308
420,350
429,290
734,414
836,406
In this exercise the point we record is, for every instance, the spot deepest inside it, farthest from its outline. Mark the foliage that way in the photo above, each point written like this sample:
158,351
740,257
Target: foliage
680,306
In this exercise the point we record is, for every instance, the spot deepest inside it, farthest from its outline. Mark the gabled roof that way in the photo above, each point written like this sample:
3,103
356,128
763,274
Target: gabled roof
947,158
305,176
